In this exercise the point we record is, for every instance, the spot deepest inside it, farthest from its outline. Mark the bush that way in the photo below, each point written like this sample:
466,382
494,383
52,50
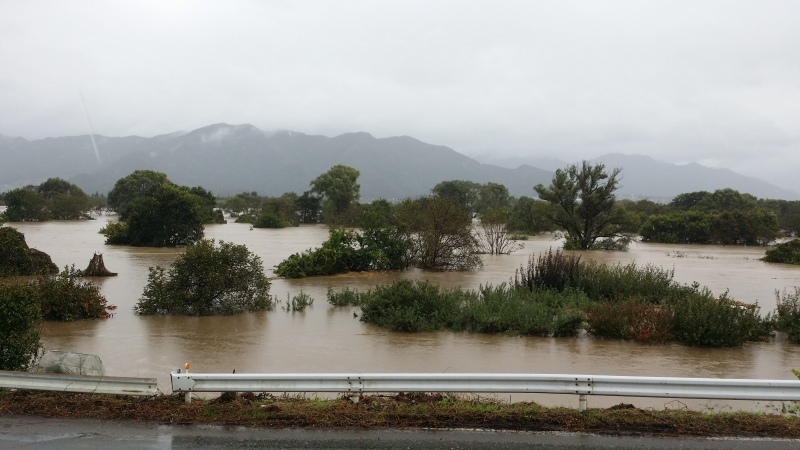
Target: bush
559,271
20,315
630,319
787,253
16,259
298,302
704,321
66,298
534,313
346,251
346,297
208,279
788,314
410,306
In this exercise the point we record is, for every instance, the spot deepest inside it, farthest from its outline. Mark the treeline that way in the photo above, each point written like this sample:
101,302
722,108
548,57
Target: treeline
725,217
55,199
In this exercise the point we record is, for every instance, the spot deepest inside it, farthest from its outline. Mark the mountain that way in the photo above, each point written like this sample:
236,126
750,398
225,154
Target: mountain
229,159
643,176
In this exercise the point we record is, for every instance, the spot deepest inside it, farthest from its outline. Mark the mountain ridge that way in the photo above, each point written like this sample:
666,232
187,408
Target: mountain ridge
228,159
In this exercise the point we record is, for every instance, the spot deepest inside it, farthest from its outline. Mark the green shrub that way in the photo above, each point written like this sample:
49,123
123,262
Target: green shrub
346,251
551,270
704,321
534,313
20,315
787,314
16,259
208,279
346,297
298,302
787,253
559,271
65,298
410,306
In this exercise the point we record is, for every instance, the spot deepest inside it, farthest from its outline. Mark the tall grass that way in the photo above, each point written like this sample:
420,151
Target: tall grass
421,306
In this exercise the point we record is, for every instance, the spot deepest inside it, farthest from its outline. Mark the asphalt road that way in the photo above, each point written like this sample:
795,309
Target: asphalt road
39,433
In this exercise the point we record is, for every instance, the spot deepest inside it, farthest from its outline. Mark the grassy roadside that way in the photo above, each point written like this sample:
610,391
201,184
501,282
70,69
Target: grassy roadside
398,411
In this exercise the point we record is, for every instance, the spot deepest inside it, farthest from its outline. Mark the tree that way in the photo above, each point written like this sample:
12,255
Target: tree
55,199
20,316
338,188
438,232
528,215
583,204
492,197
25,204
493,235
465,193
208,279
141,183
170,216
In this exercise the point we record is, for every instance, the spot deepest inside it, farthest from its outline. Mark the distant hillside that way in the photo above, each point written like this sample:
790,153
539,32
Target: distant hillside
228,159
644,176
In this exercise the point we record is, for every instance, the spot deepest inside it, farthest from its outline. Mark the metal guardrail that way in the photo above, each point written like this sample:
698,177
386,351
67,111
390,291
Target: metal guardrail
581,385
79,383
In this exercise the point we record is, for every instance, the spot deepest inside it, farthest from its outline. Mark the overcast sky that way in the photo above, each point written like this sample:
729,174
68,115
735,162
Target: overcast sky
714,82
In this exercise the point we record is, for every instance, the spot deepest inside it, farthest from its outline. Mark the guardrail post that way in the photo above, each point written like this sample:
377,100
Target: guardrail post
582,402
187,397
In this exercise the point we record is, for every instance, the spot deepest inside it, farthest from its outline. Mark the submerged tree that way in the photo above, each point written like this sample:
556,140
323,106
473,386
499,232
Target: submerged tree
582,203
338,188
208,279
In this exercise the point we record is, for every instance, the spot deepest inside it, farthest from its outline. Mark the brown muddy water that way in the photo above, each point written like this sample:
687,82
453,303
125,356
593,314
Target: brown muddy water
328,339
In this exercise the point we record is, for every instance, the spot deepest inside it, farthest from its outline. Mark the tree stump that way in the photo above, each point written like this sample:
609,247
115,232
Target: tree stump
97,268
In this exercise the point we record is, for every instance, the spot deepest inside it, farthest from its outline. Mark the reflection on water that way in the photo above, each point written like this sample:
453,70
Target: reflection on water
327,339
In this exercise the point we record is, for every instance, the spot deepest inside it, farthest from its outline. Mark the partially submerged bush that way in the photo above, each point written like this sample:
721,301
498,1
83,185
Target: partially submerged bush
346,251
20,315
600,282
788,314
16,259
208,279
420,306
787,253
702,320
630,319
65,298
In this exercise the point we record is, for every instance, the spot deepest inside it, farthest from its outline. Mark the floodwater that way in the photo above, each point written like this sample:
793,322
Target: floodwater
328,339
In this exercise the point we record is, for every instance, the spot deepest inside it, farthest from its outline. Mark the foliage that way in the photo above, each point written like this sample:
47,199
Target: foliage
346,297
786,252
630,319
464,193
20,316
338,188
410,306
756,226
54,199
638,211
420,306
170,216
787,314
681,227
439,234
378,214
493,233
583,204
345,251
141,183
528,215
16,259
704,321
557,271
64,297
298,302
207,279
